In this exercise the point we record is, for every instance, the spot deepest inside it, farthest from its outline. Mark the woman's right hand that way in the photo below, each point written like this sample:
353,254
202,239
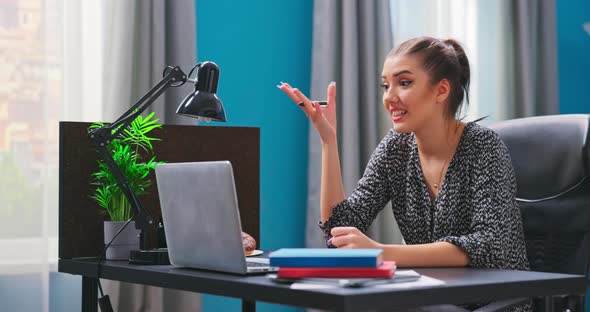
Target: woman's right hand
322,118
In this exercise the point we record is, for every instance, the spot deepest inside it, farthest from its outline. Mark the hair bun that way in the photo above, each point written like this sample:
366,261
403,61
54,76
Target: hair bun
463,62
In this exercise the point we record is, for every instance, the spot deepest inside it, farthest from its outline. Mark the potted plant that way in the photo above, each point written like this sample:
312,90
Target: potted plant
128,151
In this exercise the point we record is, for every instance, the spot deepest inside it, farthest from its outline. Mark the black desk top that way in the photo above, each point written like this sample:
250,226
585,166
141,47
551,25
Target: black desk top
462,285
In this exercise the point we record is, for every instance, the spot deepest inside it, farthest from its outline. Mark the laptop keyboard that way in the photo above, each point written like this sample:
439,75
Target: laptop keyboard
257,262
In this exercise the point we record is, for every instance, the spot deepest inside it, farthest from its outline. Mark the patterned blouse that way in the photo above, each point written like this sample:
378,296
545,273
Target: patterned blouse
475,209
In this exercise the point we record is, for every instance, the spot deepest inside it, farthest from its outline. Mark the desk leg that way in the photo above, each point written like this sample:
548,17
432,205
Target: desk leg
248,306
89,294
549,304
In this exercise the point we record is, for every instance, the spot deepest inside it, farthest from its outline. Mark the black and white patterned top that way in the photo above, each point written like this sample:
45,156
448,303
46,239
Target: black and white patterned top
475,209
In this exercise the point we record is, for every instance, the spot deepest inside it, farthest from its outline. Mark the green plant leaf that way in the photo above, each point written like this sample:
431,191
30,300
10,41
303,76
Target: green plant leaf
125,150
103,196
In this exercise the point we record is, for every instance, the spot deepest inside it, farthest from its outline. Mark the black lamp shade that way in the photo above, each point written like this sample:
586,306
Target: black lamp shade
204,102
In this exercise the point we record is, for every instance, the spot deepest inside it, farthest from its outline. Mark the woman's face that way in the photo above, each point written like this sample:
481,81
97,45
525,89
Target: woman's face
408,94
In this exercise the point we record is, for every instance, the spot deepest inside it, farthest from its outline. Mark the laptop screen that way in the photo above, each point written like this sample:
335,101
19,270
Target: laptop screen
201,216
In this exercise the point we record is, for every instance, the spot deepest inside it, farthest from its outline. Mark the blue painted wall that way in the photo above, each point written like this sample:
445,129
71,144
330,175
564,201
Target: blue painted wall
573,48
257,44
573,56
65,292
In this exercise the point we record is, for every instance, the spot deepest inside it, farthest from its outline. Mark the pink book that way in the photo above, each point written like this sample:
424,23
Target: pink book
386,269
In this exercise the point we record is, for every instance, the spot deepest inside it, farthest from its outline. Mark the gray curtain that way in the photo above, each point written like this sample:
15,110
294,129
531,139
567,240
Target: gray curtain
351,39
535,49
141,38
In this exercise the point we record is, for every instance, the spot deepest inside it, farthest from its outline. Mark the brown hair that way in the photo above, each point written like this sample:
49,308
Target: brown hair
442,59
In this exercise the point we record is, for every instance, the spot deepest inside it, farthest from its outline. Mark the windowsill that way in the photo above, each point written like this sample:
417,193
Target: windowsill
28,255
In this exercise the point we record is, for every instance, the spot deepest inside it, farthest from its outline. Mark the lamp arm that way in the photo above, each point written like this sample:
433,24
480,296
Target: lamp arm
104,135
174,77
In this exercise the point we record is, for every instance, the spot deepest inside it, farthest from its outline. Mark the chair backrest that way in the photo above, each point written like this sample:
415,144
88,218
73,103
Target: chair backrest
551,159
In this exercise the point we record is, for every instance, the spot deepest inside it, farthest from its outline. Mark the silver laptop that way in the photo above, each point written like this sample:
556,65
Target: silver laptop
201,218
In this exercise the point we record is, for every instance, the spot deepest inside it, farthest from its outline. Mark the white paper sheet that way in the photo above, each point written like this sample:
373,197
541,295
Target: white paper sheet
402,282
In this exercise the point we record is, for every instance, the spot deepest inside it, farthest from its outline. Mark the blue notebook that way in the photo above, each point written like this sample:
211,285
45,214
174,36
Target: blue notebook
323,257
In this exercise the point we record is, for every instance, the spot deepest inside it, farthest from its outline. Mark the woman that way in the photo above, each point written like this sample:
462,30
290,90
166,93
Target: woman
451,184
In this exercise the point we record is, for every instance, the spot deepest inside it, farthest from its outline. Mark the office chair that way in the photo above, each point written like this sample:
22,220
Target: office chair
551,160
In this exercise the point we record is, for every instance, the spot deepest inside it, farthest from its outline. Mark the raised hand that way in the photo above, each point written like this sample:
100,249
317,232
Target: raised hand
322,118
351,237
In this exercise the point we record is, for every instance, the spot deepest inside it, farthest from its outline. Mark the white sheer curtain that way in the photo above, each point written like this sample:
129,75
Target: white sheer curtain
47,75
485,31
52,61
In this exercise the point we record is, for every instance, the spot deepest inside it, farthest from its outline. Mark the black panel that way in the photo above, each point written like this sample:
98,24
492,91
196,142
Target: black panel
80,218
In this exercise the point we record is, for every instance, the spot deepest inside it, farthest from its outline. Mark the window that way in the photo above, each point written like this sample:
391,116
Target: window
46,77
483,29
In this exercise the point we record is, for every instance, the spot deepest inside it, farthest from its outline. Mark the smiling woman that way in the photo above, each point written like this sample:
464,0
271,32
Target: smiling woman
451,183
440,73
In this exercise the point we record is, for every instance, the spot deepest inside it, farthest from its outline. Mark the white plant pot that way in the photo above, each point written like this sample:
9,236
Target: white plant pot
126,241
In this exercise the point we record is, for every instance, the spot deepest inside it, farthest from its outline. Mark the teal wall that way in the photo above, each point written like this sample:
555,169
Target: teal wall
573,48
65,293
257,44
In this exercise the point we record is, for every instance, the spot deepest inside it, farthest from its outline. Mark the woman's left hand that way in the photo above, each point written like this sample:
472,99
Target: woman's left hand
351,237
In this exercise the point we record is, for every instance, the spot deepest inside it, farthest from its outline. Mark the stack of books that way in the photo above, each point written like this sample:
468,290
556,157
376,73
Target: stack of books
332,262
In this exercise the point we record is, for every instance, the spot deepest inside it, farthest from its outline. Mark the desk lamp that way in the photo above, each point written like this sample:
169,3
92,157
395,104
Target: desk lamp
202,104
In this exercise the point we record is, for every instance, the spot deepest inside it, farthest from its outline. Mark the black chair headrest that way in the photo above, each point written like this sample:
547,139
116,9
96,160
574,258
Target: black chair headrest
550,154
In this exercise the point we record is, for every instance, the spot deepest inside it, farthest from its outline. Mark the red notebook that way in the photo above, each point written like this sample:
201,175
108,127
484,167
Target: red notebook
386,269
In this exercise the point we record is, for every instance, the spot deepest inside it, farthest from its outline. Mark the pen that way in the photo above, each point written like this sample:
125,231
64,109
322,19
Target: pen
368,282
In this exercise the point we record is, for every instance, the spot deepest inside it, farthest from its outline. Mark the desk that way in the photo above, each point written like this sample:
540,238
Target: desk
462,285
